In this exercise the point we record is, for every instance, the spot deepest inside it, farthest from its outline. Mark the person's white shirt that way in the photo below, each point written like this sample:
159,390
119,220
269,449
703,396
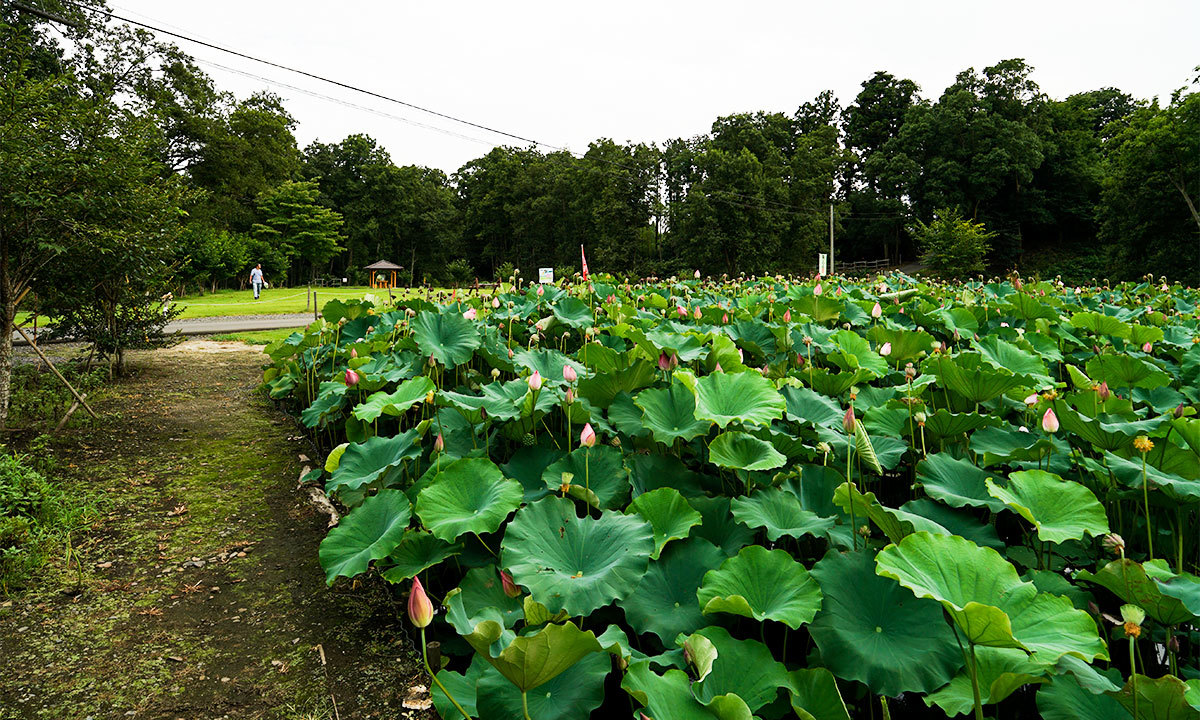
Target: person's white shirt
256,276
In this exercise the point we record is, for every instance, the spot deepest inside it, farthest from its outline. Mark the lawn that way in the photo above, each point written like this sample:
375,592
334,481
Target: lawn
261,337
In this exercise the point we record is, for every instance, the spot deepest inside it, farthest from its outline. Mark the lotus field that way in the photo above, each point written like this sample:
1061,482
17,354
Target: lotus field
772,498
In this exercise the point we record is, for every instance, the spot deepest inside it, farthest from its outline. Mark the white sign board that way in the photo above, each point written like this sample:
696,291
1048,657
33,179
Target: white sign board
545,275
823,263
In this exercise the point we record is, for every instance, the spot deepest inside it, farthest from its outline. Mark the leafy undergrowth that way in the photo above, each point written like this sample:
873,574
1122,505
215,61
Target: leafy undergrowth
187,595
775,499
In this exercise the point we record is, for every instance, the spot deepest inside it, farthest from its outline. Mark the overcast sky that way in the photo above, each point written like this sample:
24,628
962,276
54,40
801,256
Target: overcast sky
566,73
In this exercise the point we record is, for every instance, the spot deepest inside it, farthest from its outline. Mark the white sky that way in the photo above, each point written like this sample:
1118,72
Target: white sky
567,73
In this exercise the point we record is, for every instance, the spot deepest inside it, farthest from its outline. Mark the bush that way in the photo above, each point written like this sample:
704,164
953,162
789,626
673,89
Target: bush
32,512
505,271
460,272
953,246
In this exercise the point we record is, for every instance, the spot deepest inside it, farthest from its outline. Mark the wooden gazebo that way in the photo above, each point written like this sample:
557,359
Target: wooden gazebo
383,274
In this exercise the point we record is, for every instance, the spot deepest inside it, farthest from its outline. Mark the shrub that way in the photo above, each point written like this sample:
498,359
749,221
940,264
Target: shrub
31,509
953,246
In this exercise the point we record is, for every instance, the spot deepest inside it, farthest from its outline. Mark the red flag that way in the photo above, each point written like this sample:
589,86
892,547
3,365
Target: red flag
584,258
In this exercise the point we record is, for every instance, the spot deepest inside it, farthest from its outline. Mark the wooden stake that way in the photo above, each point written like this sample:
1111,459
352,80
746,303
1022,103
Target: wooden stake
59,375
65,418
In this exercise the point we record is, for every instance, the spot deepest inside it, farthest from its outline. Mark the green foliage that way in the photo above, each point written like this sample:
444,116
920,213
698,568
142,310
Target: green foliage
294,220
34,515
952,246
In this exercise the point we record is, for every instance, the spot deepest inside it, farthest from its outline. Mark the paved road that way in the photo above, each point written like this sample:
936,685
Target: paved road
219,325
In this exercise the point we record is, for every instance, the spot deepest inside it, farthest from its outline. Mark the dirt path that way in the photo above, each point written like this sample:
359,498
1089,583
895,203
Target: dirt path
197,594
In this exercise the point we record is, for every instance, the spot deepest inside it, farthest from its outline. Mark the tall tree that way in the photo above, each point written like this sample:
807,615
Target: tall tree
293,218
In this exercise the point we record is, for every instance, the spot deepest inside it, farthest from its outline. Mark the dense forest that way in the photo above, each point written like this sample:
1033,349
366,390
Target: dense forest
1098,184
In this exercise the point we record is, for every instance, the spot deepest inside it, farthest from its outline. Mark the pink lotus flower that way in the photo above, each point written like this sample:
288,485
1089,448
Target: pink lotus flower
681,311
587,438
886,349
666,362
1031,400
351,378
1103,392
848,420
724,318
420,610
1050,421
353,353
718,367
817,290
787,315
469,314
697,274
510,587
570,396
439,444
696,314
535,381
569,374
495,302
1147,348
876,312
541,291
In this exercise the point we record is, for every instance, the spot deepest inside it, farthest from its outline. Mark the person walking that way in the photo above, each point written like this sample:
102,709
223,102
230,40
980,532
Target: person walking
256,280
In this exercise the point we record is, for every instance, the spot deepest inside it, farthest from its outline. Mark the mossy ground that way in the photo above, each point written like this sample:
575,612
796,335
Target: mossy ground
196,593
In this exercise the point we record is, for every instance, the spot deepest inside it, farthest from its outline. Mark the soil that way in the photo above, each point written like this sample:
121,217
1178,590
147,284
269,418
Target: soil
196,591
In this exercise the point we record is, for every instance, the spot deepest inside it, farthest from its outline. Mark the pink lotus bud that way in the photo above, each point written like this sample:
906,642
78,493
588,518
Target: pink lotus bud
1103,392
510,354
353,353
420,610
495,302
570,395
1147,348
535,381
587,438
876,312
569,374
681,311
838,292
724,318
541,291
817,290
351,378
1179,411
886,349
469,314
799,359
697,275
510,587
696,314
665,362
718,369
787,315
741,355
848,420
439,444
1050,421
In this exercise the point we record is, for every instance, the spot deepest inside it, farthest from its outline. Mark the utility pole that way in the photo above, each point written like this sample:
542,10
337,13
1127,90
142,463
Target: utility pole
830,238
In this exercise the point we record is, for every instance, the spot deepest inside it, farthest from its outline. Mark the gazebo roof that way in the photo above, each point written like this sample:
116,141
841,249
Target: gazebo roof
383,265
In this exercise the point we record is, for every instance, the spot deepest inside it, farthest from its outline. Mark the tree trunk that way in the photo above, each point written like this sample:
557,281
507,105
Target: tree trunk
8,309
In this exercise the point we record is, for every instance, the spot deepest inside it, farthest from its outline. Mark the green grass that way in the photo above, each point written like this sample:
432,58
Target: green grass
273,301
262,337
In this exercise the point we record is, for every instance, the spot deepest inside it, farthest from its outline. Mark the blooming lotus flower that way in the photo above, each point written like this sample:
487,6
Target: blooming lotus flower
848,420
877,311
351,378
420,610
535,381
569,374
787,315
1031,400
587,438
510,587
1050,421
469,314
817,290
886,349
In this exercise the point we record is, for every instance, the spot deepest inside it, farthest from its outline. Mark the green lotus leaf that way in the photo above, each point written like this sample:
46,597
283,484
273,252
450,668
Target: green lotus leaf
987,600
462,687
573,693
1024,306
1129,472
600,389
865,450
835,384
572,311
572,563
969,375
872,630
669,696
1136,583
1105,435
1164,698
1000,672
1100,324
856,352
597,469
1006,356
369,532
814,695
804,405
943,425
744,668
742,451
956,482
1184,587
669,515
549,364
650,472
527,466
416,552
379,457
1060,510
764,585
895,524
699,652
449,338
394,403
470,495
906,344
718,525
963,523
1064,699
481,588
745,397
330,396
664,602
1126,371
780,514
669,413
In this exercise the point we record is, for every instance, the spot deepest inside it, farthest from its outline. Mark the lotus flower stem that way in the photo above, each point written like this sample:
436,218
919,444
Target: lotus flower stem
525,705
850,479
1133,675
1146,505
433,677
